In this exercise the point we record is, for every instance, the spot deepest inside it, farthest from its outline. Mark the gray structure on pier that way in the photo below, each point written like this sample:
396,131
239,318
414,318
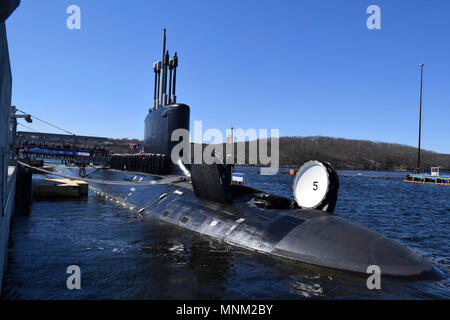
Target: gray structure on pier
7,172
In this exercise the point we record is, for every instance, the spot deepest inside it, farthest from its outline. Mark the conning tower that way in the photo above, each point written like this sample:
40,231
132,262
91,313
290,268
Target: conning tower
166,115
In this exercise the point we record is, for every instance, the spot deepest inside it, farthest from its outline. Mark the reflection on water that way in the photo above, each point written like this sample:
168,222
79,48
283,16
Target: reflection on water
122,256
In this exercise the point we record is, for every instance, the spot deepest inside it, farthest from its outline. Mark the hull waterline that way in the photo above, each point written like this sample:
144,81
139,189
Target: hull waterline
307,236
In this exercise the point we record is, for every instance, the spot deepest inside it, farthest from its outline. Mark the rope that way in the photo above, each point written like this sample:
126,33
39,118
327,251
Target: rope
34,117
29,128
124,183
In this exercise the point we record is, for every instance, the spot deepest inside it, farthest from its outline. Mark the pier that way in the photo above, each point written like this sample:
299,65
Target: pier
77,149
434,177
8,199
68,148
428,179
7,165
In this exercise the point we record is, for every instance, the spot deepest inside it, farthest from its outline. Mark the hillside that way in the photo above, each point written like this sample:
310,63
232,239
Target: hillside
357,154
342,153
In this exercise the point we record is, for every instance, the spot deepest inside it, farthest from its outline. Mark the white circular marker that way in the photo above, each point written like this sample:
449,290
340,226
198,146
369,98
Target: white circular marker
311,185
214,223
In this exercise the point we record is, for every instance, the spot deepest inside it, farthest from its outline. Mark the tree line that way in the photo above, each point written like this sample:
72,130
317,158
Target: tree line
341,153
358,154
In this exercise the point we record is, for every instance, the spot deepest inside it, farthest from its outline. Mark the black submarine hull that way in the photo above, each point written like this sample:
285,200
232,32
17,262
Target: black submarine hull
307,236
241,216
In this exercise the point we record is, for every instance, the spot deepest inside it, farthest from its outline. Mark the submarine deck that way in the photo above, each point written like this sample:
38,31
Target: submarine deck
264,223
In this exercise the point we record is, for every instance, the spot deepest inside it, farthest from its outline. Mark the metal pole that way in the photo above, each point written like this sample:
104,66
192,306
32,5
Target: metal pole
165,64
232,144
170,83
14,138
155,69
13,120
175,65
161,82
420,116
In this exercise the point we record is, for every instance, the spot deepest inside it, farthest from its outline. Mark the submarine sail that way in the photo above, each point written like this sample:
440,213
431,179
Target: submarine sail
166,115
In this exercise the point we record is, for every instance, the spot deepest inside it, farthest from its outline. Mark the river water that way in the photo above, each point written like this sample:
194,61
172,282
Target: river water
122,256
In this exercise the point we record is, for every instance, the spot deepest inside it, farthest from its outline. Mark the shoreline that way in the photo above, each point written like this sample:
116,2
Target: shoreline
288,167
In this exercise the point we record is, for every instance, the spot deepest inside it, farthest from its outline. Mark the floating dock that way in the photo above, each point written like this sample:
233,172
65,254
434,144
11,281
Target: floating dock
59,188
443,180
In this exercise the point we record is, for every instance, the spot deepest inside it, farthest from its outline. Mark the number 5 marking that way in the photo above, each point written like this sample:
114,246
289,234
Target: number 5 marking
315,185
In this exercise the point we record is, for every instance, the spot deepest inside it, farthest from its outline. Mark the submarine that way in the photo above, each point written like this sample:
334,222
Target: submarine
201,198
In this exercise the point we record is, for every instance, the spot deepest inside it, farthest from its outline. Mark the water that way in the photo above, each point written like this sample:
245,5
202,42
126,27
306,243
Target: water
124,257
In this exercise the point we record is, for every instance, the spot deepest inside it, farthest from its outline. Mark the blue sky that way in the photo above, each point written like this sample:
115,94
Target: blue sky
305,67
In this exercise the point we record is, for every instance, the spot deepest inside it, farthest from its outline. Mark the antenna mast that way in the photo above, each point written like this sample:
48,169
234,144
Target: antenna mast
161,97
